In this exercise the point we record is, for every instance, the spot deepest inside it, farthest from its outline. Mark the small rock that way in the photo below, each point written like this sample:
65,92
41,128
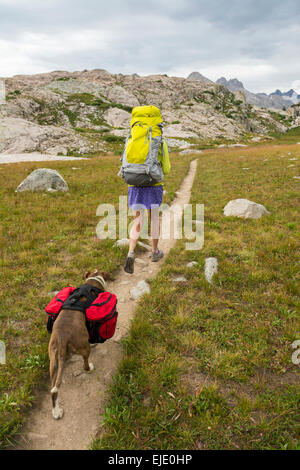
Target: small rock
179,279
290,166
34,435
245,209
190,152
141,262
296,177
76,373
121,243
237,145
144,245
246,168
141,288
192,264
292,159
256,139
210,268
54,293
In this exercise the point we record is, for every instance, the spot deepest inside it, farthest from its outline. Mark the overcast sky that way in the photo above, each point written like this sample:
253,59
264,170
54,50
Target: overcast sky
256,41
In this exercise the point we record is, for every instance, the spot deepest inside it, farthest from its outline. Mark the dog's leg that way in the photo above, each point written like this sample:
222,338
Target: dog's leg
57,359
89,366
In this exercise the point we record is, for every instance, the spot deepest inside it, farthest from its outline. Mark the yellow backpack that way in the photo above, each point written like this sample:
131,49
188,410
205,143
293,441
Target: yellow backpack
140,164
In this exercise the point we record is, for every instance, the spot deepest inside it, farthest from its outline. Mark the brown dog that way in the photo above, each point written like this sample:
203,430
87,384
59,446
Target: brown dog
70,335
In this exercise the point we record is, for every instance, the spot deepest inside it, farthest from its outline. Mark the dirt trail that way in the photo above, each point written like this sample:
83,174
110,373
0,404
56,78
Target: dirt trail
82,394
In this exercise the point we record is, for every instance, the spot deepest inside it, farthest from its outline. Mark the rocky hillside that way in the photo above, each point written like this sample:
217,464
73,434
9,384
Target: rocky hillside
87,112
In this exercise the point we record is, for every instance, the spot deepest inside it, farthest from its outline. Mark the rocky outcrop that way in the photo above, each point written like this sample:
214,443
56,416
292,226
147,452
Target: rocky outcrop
117,94
18,135
78,111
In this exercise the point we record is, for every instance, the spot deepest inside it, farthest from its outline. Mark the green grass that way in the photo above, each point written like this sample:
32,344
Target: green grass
291,136
46,242
209,367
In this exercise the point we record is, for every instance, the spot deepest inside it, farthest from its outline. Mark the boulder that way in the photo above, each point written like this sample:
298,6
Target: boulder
178,130
43,179
210,268
173,143
118,94
140,289
117,117
245,209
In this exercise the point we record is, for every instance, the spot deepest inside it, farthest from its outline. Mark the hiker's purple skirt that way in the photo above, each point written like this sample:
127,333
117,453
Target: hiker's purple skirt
146,197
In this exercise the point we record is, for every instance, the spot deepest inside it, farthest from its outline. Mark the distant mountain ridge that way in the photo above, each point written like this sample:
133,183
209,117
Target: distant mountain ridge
277,99
291,95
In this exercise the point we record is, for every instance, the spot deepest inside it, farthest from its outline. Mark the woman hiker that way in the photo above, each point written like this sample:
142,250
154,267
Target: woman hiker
145,140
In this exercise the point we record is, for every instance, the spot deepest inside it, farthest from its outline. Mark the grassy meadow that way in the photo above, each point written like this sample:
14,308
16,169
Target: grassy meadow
47,240
209,366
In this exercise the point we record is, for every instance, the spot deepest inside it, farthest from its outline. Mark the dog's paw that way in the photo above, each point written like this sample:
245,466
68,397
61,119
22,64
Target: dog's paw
57,413
92,367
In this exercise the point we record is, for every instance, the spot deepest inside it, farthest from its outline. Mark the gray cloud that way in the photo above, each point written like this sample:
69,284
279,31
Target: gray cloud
256,41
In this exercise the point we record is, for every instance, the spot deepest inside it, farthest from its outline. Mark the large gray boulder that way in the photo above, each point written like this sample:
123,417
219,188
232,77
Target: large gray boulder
245,209
43,179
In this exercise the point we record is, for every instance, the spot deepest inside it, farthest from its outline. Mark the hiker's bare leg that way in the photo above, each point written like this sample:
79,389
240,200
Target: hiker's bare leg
154,218
135,231
155,230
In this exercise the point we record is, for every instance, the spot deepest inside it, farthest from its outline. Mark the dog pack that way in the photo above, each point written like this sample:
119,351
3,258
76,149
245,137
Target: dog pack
100,309
140,160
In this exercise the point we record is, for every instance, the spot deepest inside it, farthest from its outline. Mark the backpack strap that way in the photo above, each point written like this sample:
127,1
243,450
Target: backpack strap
73,302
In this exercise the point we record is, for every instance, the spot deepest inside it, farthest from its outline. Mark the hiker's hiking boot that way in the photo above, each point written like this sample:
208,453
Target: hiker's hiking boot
157,255
129,264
